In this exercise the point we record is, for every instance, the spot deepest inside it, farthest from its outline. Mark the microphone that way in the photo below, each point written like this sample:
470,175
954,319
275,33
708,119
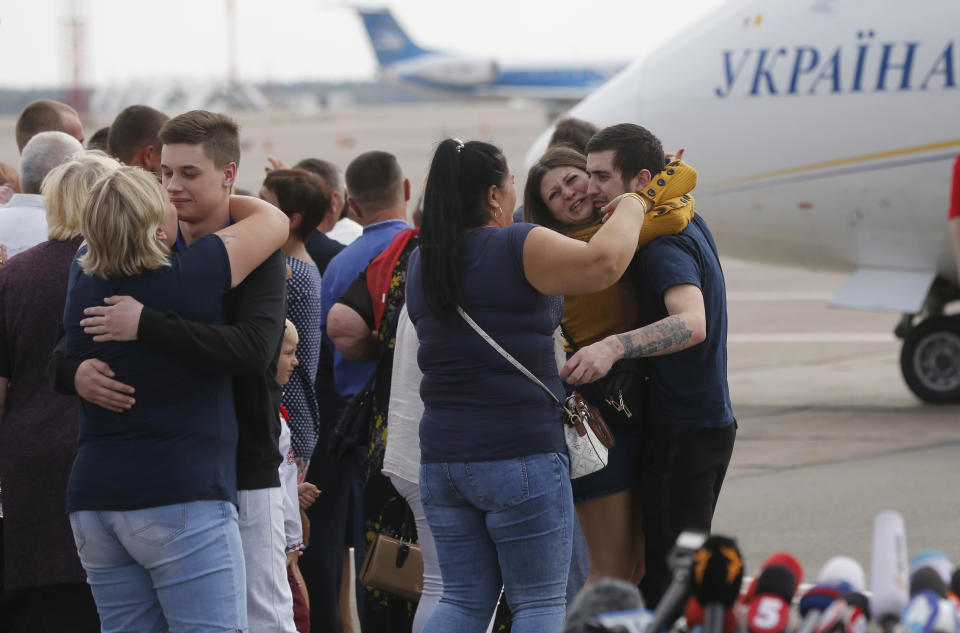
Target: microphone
632,621
777,558
603,596
814,603
778,580
831,620
842,569
838,575
857,617
935,559
769,610
679,561
716,578
927,579
954,593
929,613
888,569
693,614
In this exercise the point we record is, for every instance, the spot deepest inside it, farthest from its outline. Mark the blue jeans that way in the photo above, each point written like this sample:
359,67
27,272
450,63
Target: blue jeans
177,567
509,519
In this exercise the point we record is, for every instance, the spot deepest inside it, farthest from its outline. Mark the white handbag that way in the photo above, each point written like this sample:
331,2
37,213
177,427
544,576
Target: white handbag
588,438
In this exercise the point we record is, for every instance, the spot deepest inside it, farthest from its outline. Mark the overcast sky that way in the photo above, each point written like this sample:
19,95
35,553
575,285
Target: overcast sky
288,40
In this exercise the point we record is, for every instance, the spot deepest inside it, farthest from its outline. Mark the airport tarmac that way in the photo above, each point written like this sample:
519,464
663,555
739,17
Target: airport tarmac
829,434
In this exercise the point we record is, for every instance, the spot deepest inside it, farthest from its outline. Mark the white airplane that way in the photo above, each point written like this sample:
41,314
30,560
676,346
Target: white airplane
824,132
403,62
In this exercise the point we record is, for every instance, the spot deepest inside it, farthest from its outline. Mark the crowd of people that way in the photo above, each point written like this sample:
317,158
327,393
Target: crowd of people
207,399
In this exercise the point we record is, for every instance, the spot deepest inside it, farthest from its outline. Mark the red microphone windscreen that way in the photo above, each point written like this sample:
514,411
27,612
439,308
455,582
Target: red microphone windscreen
784,559
694,615
768,613
787,560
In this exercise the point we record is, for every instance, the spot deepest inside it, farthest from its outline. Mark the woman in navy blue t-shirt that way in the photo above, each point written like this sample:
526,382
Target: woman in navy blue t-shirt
494,475
152,490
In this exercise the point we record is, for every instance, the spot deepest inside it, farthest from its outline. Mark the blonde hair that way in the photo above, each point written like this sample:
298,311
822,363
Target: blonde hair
290,334
119,220
67,188
9,176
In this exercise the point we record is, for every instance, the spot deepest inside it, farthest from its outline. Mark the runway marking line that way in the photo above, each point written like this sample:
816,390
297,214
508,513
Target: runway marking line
813,337
753,296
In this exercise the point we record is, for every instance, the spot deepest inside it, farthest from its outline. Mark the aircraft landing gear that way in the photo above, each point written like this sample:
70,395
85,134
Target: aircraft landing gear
930,359
930,356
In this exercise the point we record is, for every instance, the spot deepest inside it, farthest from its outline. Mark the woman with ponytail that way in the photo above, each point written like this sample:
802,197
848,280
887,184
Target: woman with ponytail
494,474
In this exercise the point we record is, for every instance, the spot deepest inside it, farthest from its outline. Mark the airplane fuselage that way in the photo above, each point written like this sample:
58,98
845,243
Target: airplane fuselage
824,131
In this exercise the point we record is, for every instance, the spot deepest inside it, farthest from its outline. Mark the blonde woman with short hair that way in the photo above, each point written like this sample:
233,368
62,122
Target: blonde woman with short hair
152,494
39,426
66,188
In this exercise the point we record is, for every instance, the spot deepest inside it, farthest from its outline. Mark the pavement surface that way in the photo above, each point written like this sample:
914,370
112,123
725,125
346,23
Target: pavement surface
829,434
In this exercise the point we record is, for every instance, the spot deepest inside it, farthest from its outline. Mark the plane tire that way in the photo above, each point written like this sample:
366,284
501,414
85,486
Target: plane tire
930,359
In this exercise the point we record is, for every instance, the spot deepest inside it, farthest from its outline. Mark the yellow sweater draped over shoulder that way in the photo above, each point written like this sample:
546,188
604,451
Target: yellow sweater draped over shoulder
590,318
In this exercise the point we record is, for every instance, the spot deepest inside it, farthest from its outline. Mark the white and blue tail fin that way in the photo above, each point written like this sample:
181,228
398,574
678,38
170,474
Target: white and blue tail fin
390,42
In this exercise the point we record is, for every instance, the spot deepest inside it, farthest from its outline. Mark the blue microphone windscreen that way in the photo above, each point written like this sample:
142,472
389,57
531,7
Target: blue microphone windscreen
818,598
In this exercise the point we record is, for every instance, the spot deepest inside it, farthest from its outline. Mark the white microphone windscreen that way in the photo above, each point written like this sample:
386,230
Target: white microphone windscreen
946,618
889,581
843,569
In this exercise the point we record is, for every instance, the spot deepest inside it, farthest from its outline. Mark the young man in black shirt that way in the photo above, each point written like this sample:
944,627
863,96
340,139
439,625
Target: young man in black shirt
199,161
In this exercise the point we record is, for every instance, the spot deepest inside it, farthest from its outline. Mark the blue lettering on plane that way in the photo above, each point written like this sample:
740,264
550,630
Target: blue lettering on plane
866,64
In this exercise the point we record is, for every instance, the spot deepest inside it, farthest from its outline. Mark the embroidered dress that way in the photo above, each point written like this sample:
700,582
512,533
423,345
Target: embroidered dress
299,395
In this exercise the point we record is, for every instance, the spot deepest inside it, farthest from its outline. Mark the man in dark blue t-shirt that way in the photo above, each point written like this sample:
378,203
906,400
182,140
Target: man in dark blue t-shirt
689,427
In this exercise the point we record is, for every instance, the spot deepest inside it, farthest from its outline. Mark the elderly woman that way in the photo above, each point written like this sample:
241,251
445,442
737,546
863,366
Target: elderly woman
38,433
152,493
607,501
494,474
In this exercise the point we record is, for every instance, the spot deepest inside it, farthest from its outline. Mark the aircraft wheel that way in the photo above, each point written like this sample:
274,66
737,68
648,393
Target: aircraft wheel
930,360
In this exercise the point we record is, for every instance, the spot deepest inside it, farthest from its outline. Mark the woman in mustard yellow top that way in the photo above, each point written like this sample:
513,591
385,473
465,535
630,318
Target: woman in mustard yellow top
608,501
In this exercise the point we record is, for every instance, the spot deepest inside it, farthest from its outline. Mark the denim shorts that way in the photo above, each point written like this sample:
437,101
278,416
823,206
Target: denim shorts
177,567
622,471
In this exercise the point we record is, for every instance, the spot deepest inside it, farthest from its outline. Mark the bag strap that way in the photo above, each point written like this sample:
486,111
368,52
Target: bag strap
568,338
505,353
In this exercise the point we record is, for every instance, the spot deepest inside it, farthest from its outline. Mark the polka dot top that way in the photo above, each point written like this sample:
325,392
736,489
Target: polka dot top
299,396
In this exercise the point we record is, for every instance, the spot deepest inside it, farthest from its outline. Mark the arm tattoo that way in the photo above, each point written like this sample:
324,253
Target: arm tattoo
663,337
226,238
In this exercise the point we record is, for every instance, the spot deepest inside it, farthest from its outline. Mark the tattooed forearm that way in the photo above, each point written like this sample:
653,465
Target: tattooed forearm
663,337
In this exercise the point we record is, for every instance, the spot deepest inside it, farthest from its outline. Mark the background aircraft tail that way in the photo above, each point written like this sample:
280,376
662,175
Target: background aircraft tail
390,42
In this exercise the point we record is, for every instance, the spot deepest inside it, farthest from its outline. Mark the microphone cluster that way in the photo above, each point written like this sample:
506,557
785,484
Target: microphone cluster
922,596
